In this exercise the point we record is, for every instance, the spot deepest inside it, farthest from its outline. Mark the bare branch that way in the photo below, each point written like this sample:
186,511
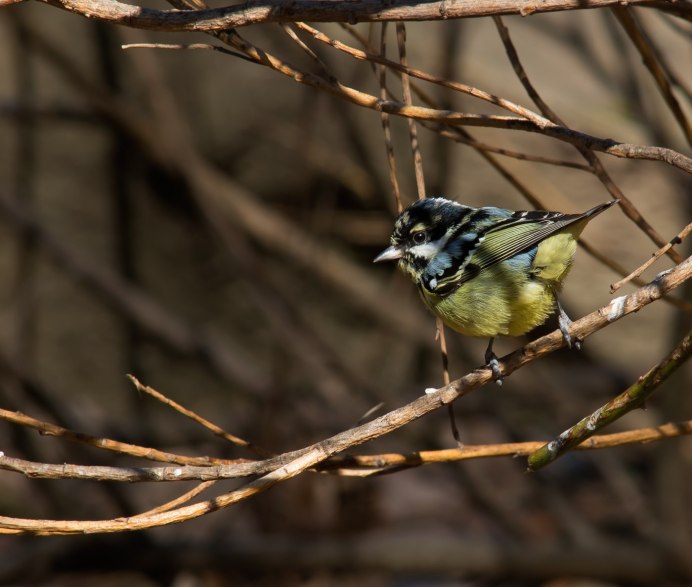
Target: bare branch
217,430
178,501
677,239
134,450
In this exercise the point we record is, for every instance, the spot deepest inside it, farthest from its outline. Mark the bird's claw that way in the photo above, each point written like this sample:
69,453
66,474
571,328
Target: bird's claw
494,365
572,343
564,322
492,362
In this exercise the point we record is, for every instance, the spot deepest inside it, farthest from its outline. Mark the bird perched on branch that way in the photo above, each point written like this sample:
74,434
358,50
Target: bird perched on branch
488,271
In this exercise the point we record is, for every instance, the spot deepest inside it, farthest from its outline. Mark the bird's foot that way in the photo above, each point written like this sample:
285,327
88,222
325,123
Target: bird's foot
565,322
492,362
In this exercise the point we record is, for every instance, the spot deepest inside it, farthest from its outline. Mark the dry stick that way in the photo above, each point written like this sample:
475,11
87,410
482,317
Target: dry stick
386,126
48,429
597,167
402,68
178,501
480,146
676,240
217,430
446,379
634,397
324,70
300,461
455,133
654,63
620,270
346,465
189,47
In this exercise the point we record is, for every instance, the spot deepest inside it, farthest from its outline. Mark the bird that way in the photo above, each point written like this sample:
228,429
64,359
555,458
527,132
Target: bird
488,271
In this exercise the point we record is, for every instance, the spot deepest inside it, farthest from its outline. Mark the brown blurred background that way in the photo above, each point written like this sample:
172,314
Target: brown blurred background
260,309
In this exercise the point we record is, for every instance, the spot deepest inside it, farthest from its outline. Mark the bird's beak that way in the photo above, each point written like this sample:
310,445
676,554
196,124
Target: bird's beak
391,254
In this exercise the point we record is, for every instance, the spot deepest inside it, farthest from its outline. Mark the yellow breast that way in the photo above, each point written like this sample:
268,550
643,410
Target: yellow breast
507,298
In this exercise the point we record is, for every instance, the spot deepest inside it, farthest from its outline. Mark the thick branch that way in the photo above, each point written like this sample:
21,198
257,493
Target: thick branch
352,11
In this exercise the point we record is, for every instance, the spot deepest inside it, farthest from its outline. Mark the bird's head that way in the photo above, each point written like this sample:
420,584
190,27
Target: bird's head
421,234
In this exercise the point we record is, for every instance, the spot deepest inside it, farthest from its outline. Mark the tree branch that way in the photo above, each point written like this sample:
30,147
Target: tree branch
353,11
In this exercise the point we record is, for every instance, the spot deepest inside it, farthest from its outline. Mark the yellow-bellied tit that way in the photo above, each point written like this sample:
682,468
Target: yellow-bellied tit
488,271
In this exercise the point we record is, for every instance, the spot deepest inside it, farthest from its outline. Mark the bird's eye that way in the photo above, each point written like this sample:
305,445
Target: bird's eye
419,237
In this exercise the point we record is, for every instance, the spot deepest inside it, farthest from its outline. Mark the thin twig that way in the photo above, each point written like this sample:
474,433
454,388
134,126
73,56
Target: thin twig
187,46
178,501
446,379
676,240
324,70
532,122
383,463
125,448
450,133
217,430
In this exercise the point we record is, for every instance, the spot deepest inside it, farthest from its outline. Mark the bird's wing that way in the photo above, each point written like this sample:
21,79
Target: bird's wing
503,240
517,235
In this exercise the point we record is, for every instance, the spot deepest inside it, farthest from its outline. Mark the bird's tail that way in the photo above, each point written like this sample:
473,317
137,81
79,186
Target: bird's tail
596,210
